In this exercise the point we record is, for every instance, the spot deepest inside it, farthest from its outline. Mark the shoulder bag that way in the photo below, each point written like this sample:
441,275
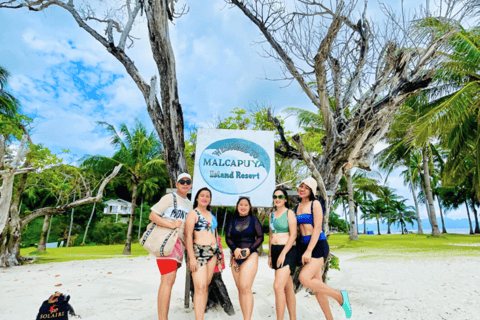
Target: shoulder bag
160,240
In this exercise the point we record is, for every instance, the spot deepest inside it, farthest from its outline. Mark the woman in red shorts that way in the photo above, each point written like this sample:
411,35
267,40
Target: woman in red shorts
175,206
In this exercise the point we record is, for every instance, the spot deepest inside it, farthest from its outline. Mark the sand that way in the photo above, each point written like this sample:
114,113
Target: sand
126,288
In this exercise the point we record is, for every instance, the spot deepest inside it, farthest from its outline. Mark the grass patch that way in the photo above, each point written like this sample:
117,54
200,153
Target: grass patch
398,245
83,253
368,247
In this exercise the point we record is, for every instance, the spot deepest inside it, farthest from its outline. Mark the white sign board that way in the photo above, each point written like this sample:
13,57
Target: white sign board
234,163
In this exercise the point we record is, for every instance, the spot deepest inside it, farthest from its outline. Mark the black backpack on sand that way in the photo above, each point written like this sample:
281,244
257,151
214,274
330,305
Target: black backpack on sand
56,308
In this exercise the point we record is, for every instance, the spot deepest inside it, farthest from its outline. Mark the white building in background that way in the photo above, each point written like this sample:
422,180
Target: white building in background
118,207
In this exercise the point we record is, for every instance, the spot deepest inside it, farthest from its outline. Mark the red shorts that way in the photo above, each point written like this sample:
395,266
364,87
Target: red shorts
166,265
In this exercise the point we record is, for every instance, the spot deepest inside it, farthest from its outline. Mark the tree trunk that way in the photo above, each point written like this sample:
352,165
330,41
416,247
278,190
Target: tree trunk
353,226
364,224
218,295
128,245
477,227
140,222
441,215
71,222
469,219
378,226
42,244
169,123
388,228
10,249
356,220
417,210
428,189
88,224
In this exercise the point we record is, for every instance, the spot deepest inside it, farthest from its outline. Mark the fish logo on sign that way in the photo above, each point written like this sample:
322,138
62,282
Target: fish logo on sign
234,166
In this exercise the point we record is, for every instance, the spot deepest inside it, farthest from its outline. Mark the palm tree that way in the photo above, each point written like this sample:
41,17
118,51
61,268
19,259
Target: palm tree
364,185
9,105
396,155
374,209
403,214
451,111
140,154
389,198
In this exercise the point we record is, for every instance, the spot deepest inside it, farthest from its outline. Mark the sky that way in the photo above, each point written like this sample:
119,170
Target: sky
66,81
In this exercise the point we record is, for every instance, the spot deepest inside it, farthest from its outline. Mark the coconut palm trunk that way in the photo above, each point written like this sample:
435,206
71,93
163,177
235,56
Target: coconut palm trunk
378,225
428,189
477,227
353,227
417,210
128,245
441,215
469,219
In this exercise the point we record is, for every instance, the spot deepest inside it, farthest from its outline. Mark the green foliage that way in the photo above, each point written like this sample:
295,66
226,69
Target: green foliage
237,121
334,263
109,232
336,222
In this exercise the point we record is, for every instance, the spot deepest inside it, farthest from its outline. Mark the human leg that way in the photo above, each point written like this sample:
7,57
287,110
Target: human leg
201,280
246,275
291,300
308,279
164,293
279,286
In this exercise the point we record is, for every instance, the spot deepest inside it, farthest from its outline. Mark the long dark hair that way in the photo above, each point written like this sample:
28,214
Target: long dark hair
284,193
195,202
236,214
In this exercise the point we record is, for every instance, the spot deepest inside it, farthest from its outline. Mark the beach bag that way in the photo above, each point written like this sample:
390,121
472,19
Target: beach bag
160,240
56,308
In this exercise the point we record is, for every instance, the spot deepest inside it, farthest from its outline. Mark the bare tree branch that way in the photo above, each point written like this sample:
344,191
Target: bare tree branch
80,202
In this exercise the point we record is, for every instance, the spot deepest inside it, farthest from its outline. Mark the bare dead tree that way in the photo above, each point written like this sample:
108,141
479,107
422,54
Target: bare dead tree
356,73
118,20
10,241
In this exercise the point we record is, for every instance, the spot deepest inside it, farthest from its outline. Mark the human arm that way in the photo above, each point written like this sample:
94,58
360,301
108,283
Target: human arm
190,221
270,242
159,208
292,236
317,230
258,236
230,241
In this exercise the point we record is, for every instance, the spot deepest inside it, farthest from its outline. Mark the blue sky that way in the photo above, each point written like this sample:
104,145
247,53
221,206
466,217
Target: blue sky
66,81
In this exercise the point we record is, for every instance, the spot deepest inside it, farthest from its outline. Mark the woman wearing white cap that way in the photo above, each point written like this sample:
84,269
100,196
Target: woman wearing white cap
174,206
313,249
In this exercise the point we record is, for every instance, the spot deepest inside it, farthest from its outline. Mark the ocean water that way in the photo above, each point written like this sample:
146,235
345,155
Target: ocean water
425,231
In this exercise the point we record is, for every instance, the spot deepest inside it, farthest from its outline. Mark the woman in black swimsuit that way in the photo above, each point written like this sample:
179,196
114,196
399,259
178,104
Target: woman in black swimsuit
202,249
244,236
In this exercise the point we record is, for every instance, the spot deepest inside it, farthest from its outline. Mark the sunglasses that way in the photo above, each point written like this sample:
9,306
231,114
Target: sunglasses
187,182
282,196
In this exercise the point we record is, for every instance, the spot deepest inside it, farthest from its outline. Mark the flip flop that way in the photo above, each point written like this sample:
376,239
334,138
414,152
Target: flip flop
346,304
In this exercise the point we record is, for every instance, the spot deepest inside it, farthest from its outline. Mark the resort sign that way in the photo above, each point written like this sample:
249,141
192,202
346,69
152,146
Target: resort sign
235,163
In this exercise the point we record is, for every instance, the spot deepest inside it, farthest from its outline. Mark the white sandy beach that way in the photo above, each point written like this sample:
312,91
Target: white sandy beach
126,288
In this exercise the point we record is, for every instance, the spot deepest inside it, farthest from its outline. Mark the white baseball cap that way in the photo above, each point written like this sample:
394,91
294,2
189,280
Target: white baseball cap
183,175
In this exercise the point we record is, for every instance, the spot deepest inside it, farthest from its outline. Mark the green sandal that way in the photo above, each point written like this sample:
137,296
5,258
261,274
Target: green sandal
346,304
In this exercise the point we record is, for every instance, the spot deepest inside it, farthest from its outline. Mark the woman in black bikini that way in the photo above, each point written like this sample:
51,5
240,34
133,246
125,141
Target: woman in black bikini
244,236
202,249
314,249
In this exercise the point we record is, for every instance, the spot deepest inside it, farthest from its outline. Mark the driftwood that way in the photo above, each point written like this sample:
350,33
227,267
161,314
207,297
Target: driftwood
217,294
